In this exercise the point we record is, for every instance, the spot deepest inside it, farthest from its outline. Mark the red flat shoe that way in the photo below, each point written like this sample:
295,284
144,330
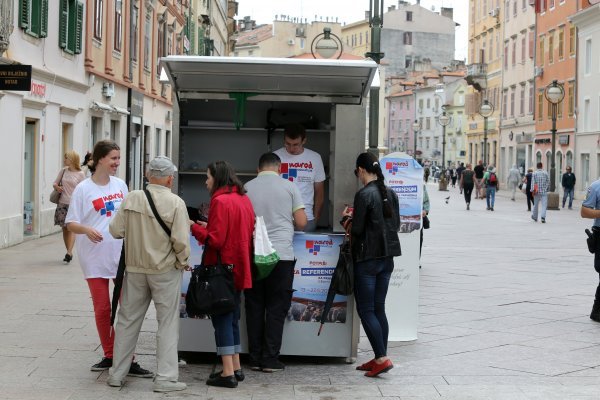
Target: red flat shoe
366,366
380,368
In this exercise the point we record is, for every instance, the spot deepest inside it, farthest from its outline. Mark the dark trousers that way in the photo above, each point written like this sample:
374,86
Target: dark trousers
597,268
468,190
530,200
267,305
371,281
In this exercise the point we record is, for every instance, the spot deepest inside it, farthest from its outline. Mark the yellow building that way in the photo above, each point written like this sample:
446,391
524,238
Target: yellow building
484,75
356,38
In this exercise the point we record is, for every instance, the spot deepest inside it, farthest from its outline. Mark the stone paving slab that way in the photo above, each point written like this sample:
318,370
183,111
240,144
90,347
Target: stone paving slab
504,306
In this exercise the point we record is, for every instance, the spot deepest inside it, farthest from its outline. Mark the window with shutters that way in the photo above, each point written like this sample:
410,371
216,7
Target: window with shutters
531,46
408,38
504,103
571,94
33,17
561,43
514,52
98,18
522,100
134,33
531,97
540,99
559,110
523,48
551,47
147,47
118,24
512,102
542,51
572,40
506,56
70,27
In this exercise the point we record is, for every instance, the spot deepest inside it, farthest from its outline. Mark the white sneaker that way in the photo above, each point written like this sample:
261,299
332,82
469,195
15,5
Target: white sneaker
114,382
168,386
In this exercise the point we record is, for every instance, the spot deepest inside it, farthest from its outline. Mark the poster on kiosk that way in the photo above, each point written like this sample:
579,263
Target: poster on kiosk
404,175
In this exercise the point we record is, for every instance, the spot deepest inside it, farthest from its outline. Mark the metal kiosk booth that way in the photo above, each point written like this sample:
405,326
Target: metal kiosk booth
233,109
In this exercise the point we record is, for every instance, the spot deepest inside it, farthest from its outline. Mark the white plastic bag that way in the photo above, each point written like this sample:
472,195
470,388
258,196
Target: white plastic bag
265,256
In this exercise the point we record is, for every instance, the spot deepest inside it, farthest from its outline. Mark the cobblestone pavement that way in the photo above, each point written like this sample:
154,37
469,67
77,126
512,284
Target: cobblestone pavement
504,305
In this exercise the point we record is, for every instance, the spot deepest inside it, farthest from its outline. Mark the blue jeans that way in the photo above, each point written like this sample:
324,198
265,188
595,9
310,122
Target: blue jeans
540,198
568,193
490,196
227,330
371,280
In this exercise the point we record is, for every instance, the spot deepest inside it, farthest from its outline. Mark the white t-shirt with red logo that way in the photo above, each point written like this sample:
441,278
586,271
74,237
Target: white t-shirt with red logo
94,205
304,170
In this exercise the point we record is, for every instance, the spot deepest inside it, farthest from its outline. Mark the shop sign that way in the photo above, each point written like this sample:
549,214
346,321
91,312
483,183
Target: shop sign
543,141
38,89
15,77
563,139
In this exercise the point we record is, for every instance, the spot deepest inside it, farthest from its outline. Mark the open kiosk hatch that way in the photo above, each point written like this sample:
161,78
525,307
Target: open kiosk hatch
234,109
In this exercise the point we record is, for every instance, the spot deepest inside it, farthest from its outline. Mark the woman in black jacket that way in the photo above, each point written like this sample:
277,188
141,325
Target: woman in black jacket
373,225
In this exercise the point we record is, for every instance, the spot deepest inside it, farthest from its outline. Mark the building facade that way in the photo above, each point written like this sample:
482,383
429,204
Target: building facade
517,125
484,75
400,135
587,137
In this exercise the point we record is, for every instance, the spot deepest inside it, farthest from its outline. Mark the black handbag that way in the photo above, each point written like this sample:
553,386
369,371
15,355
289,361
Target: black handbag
211,290
426,222
342,281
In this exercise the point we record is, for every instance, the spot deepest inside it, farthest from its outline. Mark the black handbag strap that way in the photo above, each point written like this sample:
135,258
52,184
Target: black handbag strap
61,177
158,218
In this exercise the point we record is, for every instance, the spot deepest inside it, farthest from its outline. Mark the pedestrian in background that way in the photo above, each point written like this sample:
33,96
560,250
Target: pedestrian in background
479,171
154,261
425,219
568,184
527,183
467,182
459,171
373,226
540,184
279,202
94,204
513,180
87,165
490,180
227,234
68,178
591,209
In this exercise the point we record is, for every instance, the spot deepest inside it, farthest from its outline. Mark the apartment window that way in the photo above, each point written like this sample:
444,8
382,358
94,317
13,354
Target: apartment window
98,18
542,51
571,98
70,26
551,47
542,6
147,33
559,110
514,52
515,8
561,43
522,101
408,38
506,56
33,17
134,33
507,8
428,103
157,142
167,143
409,16
586,115
428,123
420,105
540,99
552,4
490,53
523,48
512,102
549,111
524,4
504,103
118,24
360,39
531,46
531,98
588,57
572,40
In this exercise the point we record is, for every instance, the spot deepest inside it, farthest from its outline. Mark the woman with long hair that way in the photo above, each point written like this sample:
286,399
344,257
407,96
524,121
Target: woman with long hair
67,179
228,234
94,203
373,226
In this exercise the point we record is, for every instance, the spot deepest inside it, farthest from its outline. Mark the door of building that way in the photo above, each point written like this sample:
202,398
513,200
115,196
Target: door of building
29,178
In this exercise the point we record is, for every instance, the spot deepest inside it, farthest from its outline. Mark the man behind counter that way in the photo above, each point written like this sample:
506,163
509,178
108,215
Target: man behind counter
304,167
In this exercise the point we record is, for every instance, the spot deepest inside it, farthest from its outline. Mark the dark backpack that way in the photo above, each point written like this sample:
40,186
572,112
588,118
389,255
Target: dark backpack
492,180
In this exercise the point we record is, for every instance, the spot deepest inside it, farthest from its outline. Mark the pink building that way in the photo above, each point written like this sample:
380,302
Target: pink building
399,134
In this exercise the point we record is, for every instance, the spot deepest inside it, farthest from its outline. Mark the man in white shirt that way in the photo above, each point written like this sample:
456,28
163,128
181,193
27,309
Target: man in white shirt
304,167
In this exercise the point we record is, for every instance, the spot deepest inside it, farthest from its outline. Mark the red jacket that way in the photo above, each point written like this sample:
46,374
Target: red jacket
229,230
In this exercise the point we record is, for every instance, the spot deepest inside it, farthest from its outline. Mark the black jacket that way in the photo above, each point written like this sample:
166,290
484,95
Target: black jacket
374,236
568,180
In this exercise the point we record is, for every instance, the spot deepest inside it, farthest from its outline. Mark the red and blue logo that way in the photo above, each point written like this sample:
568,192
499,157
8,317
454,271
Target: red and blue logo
393,167
106,205
288,173
315,246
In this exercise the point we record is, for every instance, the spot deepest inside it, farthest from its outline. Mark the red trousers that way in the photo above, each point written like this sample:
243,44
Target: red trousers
101,299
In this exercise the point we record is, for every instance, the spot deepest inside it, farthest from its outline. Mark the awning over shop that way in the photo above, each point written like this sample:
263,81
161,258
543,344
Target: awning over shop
96,105
121,110
335,81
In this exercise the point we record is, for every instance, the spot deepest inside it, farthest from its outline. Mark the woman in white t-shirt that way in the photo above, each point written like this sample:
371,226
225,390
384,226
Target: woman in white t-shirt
93,204
66,181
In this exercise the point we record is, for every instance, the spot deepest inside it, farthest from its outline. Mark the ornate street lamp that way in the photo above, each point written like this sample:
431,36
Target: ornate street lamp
554,93
443,120
376,25
326,45
416,127
486,109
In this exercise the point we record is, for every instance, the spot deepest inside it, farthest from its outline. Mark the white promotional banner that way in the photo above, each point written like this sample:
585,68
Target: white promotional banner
404,175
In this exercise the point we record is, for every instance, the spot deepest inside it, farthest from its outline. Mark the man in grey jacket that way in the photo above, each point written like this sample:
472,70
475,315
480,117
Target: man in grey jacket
154,267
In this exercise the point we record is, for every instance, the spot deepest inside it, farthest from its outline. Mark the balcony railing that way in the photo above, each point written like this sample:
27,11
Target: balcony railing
477,70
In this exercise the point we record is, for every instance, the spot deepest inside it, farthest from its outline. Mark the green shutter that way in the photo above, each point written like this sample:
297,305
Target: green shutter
44,19
192,38
79,28
201,41
24,10
35,18
63,24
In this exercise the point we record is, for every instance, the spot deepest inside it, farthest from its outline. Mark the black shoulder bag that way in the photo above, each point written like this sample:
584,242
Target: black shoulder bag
121,270
211,290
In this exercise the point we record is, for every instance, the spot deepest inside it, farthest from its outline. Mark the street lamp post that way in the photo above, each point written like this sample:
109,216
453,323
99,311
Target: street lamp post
443,120
376,24
554,93
416,127
485,110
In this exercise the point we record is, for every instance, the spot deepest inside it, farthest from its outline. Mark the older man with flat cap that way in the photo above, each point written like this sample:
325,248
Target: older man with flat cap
154,259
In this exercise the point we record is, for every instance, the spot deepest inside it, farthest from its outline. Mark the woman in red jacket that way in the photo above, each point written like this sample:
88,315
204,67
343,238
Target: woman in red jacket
228,232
